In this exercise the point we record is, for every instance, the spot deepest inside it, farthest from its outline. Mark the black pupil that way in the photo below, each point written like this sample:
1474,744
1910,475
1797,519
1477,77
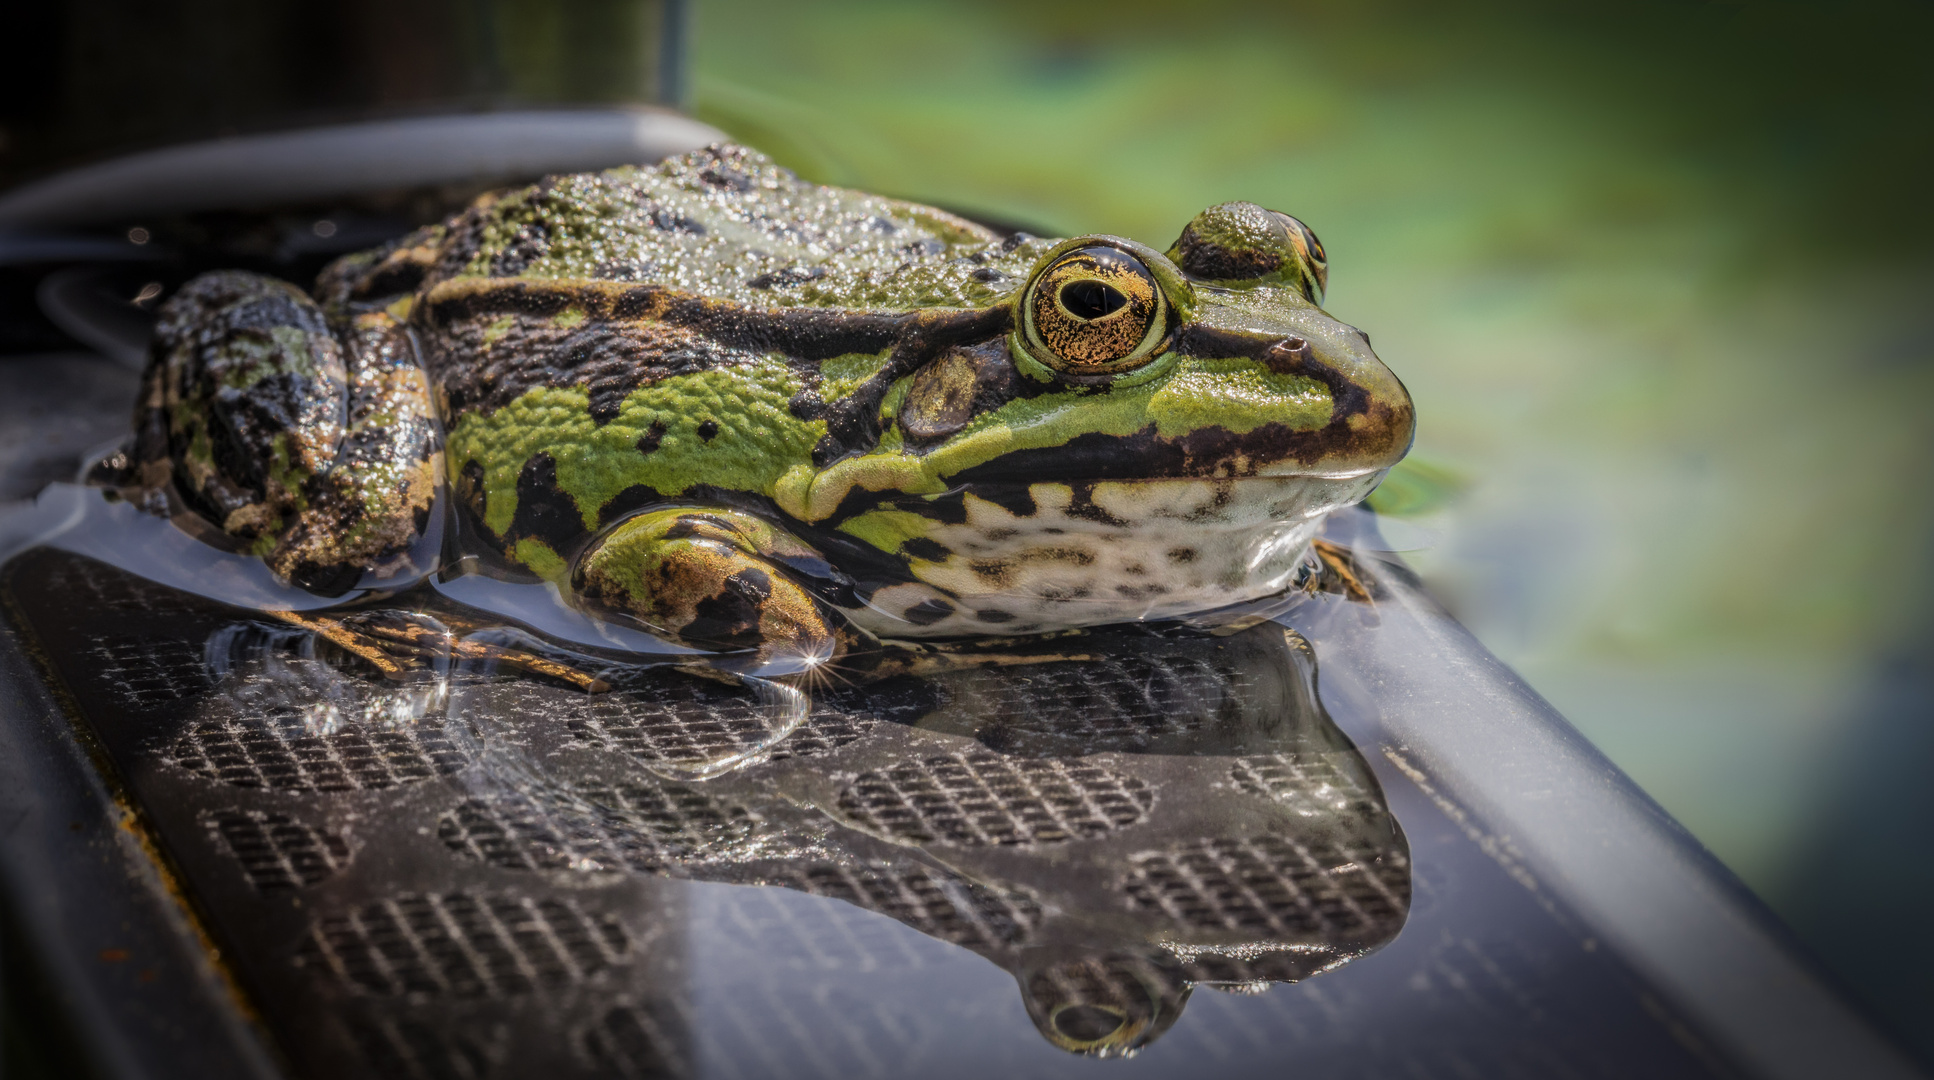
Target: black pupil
1091,299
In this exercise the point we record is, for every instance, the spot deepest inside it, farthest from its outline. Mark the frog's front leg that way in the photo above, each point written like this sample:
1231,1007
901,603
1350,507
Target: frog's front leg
718,580
312,445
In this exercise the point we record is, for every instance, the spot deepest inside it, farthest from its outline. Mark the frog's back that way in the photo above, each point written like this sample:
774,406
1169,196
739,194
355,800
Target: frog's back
604,341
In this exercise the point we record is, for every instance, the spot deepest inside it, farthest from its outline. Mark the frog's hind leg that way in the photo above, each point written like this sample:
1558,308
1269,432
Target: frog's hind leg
315,446
720,581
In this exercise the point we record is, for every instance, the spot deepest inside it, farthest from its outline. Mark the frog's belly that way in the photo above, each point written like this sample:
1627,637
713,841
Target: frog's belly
1116,552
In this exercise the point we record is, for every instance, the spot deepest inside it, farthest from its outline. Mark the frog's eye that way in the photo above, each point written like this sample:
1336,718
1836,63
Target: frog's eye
1094,311
1304,240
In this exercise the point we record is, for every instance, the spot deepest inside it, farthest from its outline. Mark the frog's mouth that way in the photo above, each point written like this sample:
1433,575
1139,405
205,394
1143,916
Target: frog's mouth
1351,445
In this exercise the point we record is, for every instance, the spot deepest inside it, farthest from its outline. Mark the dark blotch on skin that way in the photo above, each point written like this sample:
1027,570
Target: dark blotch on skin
731,618
628,502
1182,555
990,569
994,615
544,511
928,612
708,430
332,580
532,242
922,548
1083,506
1016,499
653,437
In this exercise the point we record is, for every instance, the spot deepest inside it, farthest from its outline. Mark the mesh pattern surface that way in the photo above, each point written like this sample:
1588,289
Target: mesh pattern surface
401,1049
676,721
465,946
986,798
637,826
942,907
146,673
1117,703
271,753
1270,887
279,854
1310,782
633,1042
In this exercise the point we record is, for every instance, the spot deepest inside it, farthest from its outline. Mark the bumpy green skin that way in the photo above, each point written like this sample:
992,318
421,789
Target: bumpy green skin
846,377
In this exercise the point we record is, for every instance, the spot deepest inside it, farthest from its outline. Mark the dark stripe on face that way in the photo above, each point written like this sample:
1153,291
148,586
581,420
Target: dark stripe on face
1205,453
853,422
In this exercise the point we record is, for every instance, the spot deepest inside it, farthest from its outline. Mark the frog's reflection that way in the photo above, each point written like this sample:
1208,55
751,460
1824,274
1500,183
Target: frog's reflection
1266,854
1113,833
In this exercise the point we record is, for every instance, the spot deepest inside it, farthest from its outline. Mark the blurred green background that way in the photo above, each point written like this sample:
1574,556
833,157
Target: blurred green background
1657,275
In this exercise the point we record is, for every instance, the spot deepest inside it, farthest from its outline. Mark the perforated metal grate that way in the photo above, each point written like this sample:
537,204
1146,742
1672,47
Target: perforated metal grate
398,1049
463,946
947,908
279,854
272,752
1310,782
990,799
635,1043
637,826
1270,887
1116,704
678,721
146,673
121,594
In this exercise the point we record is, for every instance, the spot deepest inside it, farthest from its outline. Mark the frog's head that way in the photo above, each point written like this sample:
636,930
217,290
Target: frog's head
1212,360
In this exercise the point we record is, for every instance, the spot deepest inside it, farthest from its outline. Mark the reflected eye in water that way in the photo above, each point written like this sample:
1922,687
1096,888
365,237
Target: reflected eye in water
1087,1023
1103,1007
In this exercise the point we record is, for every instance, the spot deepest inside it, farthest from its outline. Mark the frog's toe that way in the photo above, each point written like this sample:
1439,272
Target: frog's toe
700,587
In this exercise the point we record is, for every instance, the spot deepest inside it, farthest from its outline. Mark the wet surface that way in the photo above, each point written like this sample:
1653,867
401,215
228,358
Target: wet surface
475,873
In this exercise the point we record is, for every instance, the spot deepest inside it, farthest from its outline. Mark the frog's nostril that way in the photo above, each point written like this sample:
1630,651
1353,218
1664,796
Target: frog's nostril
1288,354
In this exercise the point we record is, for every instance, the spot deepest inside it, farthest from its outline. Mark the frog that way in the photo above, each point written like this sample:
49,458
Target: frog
768,420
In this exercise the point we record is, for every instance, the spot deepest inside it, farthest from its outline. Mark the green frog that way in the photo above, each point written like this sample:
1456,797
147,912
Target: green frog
769,419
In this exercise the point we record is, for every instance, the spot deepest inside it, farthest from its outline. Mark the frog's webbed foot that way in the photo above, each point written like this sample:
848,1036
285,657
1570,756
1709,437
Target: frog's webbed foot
309,439
722,582
399,645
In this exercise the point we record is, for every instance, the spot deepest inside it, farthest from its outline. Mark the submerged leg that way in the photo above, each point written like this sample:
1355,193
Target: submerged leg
1339,562
398,643
312,446
716,580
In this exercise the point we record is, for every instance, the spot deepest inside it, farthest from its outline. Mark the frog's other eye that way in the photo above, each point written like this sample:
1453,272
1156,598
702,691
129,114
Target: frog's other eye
1314,258
1238,243
1093,311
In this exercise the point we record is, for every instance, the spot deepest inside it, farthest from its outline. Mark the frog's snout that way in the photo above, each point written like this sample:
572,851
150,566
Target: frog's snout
1372,420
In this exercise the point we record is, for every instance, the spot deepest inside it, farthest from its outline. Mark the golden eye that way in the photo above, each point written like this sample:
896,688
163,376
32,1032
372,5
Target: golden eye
1094,311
